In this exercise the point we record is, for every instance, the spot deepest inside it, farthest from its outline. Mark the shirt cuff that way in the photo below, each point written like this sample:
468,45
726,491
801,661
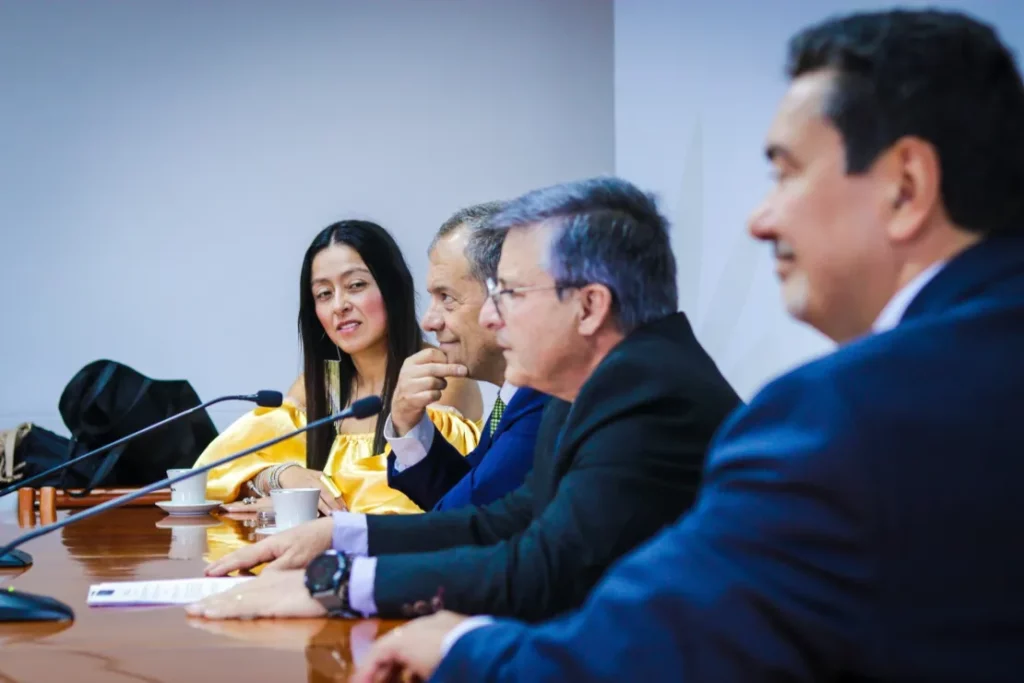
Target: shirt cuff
360,586
462,629
350,534
413,447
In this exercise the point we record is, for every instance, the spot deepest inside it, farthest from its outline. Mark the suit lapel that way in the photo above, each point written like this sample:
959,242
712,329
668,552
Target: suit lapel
485,438
548,453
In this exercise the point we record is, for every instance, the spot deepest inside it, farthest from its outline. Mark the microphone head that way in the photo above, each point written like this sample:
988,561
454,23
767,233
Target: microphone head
365,407
269,399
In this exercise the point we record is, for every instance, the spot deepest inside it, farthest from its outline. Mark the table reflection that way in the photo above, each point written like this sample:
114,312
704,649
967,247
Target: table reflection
332,646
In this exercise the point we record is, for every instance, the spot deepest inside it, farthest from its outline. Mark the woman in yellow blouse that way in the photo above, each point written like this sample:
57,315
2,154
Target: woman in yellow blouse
357,324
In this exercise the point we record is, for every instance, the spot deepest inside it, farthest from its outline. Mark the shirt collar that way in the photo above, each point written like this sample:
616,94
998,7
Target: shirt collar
897,306
506,392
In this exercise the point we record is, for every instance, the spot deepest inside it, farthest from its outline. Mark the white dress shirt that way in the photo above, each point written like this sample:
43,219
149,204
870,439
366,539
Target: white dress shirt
897,306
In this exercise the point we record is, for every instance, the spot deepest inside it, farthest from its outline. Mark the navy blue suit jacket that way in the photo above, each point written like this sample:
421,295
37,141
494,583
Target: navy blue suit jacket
860,520
445,480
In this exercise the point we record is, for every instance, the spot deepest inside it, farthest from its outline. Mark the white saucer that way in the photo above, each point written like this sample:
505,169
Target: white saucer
187,508
268,530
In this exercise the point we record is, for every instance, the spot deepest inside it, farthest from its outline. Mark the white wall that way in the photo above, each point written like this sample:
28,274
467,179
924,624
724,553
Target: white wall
696,85
164,165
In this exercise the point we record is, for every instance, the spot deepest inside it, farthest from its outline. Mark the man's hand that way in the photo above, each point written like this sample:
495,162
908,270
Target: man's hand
301,478
420,383
291,549
410,652
273,595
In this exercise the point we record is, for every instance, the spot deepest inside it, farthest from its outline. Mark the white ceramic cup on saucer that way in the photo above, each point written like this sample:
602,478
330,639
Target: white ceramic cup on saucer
191,491
292,507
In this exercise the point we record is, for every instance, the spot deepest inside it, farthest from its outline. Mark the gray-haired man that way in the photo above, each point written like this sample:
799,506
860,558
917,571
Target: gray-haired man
422,465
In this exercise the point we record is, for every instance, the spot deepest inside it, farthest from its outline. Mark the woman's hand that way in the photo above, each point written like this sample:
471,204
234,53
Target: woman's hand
255,505
302,478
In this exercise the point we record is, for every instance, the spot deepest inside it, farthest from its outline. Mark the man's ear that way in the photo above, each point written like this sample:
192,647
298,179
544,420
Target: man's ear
913,165
596,304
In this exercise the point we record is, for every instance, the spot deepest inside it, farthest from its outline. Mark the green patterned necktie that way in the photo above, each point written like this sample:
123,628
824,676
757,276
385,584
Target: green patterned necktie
499,410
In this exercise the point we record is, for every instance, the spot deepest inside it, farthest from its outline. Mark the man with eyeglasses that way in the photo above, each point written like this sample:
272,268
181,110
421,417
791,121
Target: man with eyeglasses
585,309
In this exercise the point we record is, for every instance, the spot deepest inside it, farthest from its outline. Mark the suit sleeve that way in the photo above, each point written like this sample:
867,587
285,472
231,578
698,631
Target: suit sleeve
503,470
426,482
768,579
465,526
626,478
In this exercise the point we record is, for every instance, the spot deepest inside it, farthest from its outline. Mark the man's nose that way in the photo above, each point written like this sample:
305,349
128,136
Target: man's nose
760,224
489,317
432,321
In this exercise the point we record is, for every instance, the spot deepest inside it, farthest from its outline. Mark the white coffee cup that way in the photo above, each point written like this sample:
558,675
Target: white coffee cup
294,506
191,491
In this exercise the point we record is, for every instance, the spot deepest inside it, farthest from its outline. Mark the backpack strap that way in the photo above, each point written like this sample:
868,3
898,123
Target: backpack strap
97,387
101,472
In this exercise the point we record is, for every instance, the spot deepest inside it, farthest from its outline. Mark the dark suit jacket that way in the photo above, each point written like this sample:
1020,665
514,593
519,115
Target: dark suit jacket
445,480
860,521
621,463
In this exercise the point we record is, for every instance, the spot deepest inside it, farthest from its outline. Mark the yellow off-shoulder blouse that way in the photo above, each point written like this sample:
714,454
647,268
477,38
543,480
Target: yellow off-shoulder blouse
352,471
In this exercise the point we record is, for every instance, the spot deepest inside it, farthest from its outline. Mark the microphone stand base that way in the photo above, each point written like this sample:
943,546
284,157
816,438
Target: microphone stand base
15,559
18,606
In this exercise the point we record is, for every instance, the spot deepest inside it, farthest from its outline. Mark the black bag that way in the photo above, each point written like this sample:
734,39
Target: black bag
33,450
107,400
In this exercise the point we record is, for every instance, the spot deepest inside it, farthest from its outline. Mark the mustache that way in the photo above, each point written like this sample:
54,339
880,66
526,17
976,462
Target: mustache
781,249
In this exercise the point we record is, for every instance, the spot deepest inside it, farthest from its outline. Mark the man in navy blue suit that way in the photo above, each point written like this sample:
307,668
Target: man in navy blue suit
861,519
422,465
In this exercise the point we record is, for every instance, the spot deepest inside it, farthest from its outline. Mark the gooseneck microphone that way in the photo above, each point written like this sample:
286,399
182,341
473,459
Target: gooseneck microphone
18,606
264,399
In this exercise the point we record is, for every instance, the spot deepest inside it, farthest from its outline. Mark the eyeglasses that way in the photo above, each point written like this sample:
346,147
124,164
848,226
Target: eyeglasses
497,294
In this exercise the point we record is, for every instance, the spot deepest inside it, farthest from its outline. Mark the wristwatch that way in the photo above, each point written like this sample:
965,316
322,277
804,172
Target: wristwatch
327,582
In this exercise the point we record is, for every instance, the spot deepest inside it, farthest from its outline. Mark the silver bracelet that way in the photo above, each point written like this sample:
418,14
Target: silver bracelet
275,475
254,484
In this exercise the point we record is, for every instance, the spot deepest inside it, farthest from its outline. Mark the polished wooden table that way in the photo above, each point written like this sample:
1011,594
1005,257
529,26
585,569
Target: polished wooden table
157,644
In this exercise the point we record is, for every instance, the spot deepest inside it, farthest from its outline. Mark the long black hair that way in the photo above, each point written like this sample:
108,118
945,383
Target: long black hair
385,262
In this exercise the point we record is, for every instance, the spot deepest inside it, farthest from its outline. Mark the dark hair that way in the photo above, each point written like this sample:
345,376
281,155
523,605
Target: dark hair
483,249
609,232
937,75
384,260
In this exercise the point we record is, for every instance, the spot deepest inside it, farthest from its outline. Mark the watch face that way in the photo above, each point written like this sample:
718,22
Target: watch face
322,572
